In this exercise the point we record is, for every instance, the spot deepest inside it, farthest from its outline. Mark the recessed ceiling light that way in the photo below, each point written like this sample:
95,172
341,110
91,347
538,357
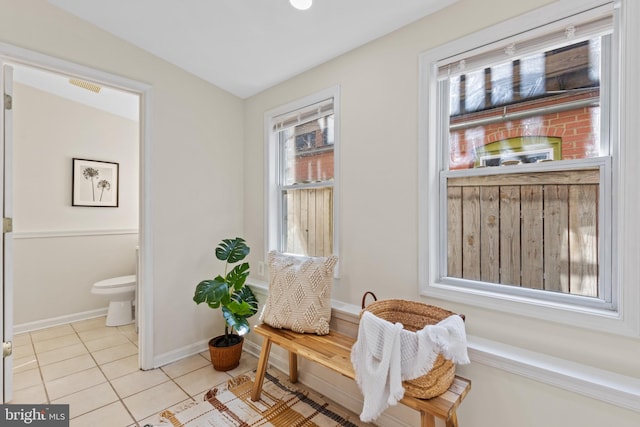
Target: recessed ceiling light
301,4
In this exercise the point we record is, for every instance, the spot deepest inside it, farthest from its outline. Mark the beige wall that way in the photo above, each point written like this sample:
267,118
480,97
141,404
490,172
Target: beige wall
196,145
51,262
379,186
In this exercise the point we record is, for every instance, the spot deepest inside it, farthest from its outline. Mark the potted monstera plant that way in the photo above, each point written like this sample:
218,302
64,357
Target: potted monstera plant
229,293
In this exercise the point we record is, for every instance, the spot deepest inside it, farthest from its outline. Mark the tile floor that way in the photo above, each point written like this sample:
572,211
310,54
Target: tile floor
94,369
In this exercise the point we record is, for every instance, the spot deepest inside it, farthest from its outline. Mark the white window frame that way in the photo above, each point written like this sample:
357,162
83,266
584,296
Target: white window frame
621,318
273,209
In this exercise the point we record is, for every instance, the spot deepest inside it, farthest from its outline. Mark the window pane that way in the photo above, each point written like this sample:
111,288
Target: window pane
307,151
307,161
502,84
308,225
544,106
474,91
530,230
532,76
454,96
536,230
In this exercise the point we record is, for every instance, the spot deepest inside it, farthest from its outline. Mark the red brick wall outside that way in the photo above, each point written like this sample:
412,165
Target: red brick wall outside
575,128
316,166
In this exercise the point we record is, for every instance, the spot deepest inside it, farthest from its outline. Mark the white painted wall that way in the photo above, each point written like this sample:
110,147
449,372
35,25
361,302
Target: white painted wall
379,185
51,262
49,131
195,169
53,276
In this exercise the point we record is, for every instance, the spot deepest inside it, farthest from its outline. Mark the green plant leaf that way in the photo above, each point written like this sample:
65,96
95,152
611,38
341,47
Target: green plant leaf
239,309
213,292
238,323
238,276
232,250
243,302
242,305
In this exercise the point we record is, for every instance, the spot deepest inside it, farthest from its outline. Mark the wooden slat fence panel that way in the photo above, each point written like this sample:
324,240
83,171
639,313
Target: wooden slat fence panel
510,235
538,231
302,240
312,218
454,232
532,236
583,241
324,226
292,203
309,225
490,234
471,233
556,238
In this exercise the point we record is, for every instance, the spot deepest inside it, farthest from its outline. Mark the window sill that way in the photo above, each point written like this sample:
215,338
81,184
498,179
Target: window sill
342,310
595,319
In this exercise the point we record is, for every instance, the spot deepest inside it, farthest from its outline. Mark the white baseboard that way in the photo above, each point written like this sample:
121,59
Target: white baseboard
56,321
180,353
251,348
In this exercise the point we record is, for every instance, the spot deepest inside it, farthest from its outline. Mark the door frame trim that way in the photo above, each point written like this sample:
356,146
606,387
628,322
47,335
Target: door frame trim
14,54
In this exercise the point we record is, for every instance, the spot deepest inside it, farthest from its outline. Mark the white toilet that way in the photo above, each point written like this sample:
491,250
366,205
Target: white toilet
121,292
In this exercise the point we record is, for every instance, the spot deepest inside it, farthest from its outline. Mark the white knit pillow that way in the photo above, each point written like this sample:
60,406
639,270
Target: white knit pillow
299,293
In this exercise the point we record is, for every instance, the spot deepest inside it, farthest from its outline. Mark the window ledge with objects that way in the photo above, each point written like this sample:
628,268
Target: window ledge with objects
607,386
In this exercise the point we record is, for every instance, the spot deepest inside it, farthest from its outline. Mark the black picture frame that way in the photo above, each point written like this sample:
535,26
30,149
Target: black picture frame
95,183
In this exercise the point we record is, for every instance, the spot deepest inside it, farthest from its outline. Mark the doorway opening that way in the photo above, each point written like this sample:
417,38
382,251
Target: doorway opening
46,217
77,228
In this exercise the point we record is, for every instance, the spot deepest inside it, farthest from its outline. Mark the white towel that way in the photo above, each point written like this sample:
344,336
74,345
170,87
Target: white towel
385,354
420,349
376,361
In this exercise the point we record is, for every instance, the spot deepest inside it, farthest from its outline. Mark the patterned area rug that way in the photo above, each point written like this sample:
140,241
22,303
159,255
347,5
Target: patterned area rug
282,405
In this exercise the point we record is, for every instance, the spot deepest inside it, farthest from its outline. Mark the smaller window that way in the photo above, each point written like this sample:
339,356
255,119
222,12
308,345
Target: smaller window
302,177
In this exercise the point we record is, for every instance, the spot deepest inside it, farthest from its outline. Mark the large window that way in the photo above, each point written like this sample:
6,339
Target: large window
302,140
522,153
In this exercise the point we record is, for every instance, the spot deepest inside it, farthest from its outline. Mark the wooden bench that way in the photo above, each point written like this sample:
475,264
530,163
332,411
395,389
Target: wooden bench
334,352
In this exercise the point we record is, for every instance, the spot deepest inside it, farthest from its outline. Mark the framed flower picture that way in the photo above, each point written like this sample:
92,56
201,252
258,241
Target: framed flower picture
94,183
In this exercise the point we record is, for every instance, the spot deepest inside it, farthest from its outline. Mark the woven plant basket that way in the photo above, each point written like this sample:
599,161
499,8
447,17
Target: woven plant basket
414,316
225,358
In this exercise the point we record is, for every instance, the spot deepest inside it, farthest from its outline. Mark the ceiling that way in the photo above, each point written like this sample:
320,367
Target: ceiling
247,46
114,101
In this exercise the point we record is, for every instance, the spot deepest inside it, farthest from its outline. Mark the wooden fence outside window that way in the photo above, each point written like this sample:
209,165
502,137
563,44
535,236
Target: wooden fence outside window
534,230
309,221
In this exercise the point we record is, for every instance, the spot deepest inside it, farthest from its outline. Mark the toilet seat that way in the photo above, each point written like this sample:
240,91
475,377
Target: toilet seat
108,286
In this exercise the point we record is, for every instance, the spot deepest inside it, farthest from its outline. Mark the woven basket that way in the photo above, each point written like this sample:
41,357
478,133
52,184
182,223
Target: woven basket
414,316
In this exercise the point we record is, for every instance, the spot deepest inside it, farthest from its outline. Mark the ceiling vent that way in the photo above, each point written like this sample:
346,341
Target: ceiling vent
85,85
